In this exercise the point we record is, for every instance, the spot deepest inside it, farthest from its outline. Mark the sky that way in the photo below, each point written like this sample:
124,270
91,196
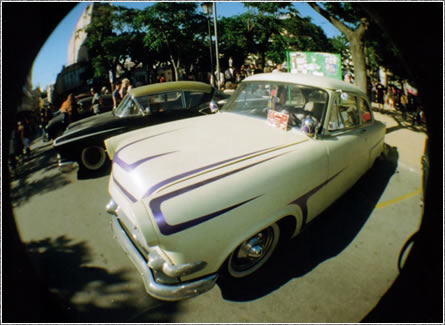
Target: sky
53,54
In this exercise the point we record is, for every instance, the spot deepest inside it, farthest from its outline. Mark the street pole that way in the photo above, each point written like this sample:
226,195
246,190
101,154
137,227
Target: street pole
207,9
210,47
216,45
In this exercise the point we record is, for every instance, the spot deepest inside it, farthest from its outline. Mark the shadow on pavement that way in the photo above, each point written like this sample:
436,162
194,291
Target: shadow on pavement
83,174
24,185
408,123
87,293
325,237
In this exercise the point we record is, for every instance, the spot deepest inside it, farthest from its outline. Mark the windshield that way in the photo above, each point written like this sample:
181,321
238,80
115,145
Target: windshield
290,102
128,107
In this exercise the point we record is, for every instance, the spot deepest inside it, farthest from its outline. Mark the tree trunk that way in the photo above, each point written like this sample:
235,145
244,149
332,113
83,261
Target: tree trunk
175,68
358,59
355,41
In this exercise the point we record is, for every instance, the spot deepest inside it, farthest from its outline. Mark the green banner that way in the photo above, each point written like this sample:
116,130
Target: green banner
315,63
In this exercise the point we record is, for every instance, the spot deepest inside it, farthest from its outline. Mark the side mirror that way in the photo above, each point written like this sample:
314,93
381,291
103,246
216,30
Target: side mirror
309,126
213,107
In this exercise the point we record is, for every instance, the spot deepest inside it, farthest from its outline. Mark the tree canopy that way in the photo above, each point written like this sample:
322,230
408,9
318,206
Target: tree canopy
175,34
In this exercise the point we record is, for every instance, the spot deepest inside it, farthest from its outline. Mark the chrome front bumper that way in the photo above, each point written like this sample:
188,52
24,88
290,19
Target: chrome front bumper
168,292
66,166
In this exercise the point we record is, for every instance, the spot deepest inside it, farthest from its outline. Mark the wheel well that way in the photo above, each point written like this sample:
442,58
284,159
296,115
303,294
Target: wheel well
287,226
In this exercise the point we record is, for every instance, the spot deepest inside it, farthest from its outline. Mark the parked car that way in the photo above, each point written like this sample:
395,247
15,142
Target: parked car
85,109
83,141
56,126
212,196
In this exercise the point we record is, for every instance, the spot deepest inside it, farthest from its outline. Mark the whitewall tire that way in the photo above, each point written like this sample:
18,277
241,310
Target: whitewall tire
253,253
93,157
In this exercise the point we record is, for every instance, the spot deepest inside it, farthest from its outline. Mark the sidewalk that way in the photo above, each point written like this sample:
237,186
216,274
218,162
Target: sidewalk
409,140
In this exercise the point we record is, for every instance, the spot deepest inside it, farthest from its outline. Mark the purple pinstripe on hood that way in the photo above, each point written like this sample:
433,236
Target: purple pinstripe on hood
166,229
129,167
198,170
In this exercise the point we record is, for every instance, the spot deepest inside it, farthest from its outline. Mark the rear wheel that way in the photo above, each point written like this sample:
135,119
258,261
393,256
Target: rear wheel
251,254
93,157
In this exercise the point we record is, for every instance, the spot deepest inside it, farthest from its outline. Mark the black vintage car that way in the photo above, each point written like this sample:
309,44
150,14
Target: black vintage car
83,141
56,126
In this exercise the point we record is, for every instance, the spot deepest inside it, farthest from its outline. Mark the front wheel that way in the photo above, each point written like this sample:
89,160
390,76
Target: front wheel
251,254
93,157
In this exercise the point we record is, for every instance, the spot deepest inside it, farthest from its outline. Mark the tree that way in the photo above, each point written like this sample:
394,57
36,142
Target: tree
340,45
101,40
114,37
303,35
269,30
353,23
233,38
170,32
264,28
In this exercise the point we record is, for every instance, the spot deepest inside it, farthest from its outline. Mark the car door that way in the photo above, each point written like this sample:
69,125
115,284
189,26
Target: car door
346,144
373,131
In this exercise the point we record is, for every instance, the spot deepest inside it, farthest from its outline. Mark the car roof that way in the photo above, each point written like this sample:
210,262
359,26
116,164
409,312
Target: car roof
170,86
305,79
89,98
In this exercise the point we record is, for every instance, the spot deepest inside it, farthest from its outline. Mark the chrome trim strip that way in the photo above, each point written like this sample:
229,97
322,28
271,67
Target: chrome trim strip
59,141
169,292
123,189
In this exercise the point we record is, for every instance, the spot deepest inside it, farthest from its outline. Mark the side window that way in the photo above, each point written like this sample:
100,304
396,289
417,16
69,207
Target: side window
365,112
162,102
174,101
335,120
194,98
344,112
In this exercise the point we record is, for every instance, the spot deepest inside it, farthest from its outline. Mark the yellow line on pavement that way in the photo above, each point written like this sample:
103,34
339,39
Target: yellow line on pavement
397,199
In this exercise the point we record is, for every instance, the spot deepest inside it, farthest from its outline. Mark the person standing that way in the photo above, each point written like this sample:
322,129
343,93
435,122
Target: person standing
251,70
242,72
69,109
27,131
214,80
43,121
277,68
13,151
380,89
20,140
96,102
115,95
125,88
404,105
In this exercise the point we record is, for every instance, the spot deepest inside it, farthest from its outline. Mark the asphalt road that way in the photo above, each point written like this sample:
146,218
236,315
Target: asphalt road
335,271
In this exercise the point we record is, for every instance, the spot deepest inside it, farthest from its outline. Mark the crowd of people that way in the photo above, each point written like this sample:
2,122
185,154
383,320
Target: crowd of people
398,99
228,80
69,107
231,77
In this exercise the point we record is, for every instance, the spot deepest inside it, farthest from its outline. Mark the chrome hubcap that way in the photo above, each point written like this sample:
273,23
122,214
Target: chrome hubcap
255,247
251,253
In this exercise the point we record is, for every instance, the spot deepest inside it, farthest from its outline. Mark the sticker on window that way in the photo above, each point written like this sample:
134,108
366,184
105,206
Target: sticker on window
277,119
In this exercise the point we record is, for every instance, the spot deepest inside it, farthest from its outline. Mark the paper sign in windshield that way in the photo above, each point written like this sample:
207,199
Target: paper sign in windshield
277,119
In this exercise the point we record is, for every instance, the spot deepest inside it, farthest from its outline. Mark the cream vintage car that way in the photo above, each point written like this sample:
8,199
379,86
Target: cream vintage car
208,196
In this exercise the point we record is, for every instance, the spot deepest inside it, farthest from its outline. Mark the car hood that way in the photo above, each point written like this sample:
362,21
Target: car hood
149,160
89,125
94,120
